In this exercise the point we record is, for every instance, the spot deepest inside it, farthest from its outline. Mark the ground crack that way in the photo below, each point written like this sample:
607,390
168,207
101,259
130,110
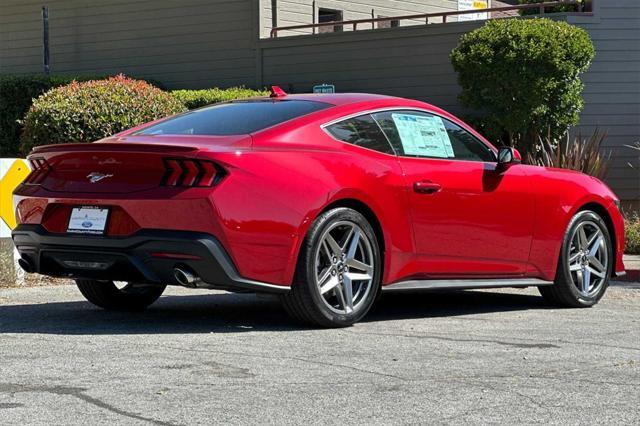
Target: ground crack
77,393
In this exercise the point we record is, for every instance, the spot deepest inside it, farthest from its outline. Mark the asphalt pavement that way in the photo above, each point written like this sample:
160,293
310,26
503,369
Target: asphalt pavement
199,357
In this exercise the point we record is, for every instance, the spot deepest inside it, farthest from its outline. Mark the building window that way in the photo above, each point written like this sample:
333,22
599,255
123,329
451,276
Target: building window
389,23
329,15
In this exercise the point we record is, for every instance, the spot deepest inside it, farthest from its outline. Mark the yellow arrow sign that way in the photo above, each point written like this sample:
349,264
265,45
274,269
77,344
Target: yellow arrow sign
18,171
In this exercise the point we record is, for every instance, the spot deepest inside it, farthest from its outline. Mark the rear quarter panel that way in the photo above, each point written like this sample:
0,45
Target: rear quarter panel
275,190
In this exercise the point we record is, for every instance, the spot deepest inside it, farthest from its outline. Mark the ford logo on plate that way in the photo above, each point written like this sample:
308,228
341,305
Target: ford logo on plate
87,224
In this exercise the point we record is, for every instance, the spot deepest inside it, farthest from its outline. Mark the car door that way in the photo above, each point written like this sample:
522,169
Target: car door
470,217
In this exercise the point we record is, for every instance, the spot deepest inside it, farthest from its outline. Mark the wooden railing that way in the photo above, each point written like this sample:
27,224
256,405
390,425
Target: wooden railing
426,16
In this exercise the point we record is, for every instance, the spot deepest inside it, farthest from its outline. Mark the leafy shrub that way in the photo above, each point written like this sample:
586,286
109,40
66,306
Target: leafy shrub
16,95
193,99
632,234
91,110
553,9
583,155
522,75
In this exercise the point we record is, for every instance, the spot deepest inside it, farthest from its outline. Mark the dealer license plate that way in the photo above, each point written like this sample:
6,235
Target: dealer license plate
88,220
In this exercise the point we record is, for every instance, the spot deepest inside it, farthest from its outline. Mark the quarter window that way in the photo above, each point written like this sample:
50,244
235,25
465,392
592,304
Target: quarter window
361,131
418,134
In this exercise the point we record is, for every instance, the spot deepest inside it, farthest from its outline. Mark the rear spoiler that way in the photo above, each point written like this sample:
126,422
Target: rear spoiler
112,146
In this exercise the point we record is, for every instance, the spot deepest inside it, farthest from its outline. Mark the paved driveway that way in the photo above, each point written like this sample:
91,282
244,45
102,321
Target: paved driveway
202,357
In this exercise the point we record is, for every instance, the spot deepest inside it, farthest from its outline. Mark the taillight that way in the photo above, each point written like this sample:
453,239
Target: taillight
39,170
191,173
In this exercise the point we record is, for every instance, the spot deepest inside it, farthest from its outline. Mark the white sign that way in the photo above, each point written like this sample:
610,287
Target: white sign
88,220
473,5
423,136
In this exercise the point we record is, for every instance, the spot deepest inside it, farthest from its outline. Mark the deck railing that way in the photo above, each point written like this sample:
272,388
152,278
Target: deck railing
426,16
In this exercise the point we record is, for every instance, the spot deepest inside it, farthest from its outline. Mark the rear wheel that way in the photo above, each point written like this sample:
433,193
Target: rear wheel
119,296
585,263
338,272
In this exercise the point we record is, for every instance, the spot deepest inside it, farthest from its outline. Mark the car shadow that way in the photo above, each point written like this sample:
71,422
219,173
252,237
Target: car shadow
236,313
449,303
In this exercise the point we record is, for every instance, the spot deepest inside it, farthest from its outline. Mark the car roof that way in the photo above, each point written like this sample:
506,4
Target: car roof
347,104
337,99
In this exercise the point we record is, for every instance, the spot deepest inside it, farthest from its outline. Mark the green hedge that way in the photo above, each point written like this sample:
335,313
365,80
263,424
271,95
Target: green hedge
193,99
522,76
17,93
632,234
91,110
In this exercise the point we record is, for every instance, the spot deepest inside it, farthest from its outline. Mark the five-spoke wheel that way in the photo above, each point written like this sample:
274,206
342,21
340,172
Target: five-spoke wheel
585,263
338,272
588,258
344,267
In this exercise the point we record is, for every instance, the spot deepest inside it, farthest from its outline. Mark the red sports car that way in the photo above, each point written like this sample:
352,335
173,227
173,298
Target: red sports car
325,200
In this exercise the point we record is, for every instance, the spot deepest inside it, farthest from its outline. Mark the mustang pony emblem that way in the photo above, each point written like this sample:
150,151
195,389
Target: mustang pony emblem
95,177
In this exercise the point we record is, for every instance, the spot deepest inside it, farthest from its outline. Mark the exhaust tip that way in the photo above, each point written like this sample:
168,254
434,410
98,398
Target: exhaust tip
185,277
25,265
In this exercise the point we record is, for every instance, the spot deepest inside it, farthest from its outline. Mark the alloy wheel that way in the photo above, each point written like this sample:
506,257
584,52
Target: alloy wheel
344,267
588,258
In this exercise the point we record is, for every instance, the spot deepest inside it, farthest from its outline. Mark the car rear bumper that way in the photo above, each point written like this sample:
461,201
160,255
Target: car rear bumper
146,256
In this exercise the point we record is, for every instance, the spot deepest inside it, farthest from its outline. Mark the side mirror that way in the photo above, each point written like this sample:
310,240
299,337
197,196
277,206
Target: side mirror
508,155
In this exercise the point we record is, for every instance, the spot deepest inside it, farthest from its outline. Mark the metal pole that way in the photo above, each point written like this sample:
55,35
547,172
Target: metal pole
45,39
274,13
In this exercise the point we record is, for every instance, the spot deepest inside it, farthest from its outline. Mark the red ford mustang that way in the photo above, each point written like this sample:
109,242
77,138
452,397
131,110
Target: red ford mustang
323,199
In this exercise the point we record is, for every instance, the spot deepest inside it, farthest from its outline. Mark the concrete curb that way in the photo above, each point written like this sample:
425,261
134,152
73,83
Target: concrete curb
632,267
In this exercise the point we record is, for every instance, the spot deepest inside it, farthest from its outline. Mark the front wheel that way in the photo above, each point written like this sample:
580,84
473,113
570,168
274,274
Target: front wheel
585,264
338,273
125,297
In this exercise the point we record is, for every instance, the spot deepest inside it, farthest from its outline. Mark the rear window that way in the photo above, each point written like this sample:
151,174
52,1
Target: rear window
234,118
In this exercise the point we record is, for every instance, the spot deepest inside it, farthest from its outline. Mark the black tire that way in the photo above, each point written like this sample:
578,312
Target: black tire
132,297
304,302
563,292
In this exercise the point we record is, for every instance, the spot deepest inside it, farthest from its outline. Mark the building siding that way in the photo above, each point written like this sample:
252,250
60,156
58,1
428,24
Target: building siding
410,61
187,43
204,43
612,89
300,12
414,62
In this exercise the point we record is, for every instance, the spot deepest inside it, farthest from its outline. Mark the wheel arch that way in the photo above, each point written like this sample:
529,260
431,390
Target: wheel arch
353,203
364,210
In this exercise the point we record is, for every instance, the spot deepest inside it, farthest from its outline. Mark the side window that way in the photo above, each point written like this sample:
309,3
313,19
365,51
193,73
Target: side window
418,134
466,146
362,131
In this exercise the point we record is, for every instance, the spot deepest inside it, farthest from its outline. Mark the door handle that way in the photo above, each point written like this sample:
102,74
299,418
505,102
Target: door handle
426,187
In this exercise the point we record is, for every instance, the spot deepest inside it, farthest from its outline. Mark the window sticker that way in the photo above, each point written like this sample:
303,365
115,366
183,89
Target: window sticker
423,136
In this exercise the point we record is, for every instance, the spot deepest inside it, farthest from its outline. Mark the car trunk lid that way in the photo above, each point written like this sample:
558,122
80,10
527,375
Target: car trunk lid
117,166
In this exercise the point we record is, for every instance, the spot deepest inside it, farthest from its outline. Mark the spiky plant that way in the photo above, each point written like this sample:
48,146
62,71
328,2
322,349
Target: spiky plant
582,154
636,146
